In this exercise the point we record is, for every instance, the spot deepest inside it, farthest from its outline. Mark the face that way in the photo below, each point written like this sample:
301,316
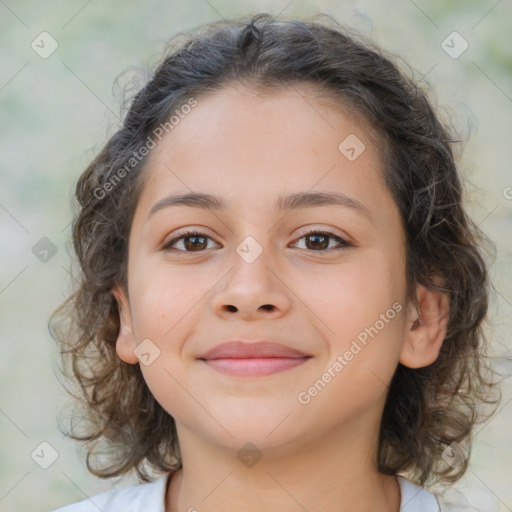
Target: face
337,294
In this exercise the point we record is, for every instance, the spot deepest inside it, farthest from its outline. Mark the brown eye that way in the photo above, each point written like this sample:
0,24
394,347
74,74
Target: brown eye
193,241
316,241
319,241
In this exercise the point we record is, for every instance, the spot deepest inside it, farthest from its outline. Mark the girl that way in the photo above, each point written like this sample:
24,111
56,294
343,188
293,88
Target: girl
281,294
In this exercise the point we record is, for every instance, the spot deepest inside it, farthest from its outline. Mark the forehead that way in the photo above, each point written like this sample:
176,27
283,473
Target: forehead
250,147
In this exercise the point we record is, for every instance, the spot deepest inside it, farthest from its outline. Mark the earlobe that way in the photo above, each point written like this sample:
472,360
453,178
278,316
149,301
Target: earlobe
125,344
427,322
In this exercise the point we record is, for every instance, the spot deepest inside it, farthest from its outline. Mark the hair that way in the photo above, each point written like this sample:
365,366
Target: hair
427,409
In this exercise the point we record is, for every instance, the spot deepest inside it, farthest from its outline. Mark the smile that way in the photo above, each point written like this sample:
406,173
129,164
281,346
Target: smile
254,366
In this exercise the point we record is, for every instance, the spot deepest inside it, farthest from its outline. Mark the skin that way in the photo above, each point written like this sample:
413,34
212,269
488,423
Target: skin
248,149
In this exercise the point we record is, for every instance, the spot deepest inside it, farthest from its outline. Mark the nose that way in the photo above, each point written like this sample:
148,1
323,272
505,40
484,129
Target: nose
252,291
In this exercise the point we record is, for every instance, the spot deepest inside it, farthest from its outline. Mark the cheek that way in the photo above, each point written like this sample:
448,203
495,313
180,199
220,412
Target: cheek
164,300
169,386
355,295
362,312
362,322
165,306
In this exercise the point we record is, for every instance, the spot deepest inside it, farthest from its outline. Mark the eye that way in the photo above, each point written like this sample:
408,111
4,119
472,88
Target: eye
192,239
318,241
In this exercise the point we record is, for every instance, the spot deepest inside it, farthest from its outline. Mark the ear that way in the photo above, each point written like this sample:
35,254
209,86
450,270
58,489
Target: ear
126,342
427,322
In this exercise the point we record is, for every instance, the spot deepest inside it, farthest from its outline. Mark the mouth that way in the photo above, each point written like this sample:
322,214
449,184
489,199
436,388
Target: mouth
252,359
255,365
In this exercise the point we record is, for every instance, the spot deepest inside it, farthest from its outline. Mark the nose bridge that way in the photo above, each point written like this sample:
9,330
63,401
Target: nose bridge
254,250
252,263
252,285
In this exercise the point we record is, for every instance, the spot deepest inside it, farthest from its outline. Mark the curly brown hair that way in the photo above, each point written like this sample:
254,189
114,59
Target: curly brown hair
428,408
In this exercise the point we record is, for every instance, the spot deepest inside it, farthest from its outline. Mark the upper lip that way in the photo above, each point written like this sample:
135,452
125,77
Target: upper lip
247,350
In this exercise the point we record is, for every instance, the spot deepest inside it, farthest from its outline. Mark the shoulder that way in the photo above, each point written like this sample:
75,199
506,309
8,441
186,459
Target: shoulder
147,497
415,498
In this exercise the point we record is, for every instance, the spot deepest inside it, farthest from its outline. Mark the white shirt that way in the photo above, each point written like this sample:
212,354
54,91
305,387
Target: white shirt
150,497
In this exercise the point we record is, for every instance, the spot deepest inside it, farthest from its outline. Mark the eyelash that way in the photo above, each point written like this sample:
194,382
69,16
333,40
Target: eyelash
344,244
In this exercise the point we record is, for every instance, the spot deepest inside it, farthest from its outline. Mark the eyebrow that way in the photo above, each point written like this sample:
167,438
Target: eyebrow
288,202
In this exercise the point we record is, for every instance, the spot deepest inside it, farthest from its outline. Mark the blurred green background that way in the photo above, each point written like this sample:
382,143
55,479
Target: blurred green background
57,112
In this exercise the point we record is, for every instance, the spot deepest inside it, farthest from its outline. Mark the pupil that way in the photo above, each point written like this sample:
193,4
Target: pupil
322,246
195,237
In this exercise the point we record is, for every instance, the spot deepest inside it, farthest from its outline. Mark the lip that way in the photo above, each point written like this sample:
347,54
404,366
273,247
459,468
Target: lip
260,349
252,359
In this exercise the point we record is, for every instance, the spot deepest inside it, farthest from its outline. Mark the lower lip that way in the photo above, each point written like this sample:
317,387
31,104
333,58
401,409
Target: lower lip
254,366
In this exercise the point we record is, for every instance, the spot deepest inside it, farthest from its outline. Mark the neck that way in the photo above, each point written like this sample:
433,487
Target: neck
336,472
